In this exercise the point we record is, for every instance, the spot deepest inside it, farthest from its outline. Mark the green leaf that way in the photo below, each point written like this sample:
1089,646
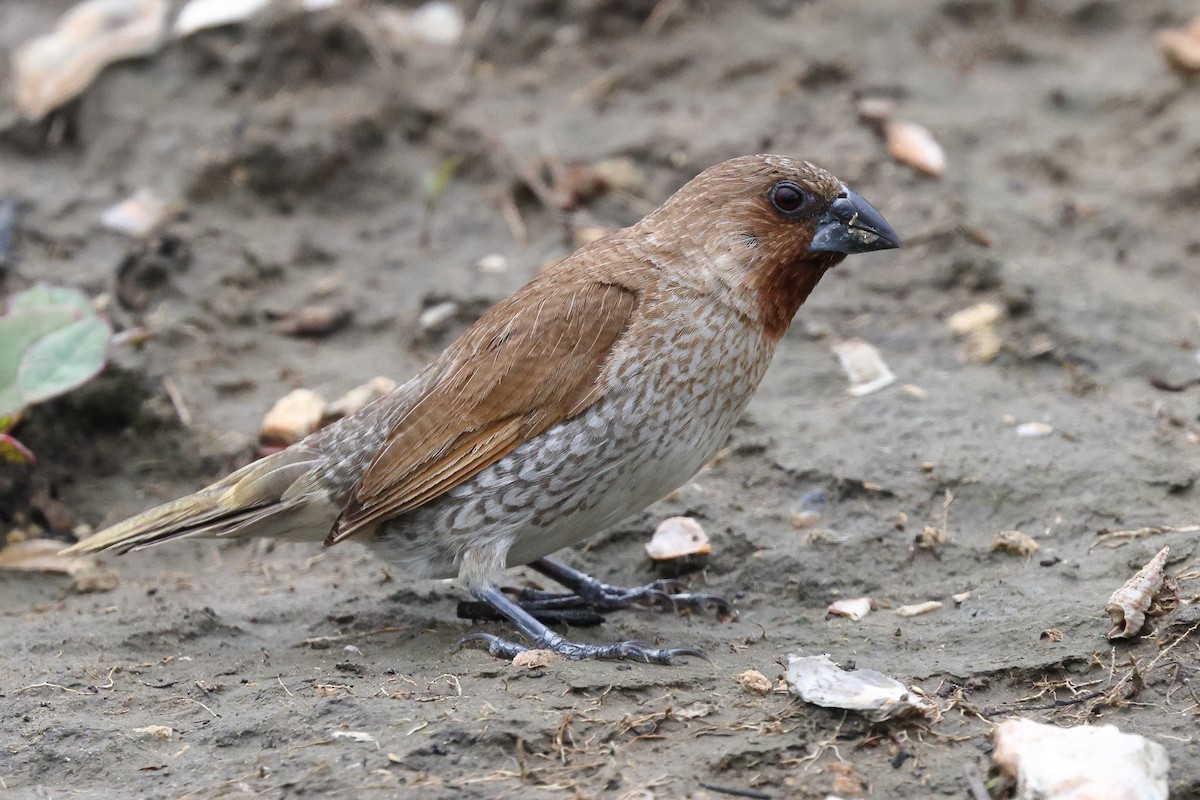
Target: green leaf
42,295
19,330
64,359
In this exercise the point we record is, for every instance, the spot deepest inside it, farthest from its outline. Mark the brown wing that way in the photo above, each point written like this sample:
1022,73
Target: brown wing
533,361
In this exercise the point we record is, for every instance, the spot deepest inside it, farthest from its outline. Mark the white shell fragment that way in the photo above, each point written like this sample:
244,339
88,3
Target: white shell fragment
294,416
678,537
199,15
436,316
1088,762
914,146
917,609
52,69
437,23
863,366
854,609
817,680
1034,430
1128,605
493,263
137,215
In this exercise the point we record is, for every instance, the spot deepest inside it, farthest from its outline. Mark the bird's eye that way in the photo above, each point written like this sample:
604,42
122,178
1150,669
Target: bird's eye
787,197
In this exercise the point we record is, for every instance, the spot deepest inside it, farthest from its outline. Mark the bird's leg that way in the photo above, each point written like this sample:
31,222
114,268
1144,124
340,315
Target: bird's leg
603,597
545,639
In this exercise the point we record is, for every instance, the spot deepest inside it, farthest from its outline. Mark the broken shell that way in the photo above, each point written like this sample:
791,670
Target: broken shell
913,145
1015,542
852,609
917,609
1033,430
137,215
863,366
961,598
817,680
1128,605
678,537
357,398
1097,762
1181,48
199,15
294,416
52,69
754,682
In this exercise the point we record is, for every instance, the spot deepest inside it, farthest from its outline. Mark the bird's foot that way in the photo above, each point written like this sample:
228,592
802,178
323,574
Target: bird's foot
545,639
577,651
665,593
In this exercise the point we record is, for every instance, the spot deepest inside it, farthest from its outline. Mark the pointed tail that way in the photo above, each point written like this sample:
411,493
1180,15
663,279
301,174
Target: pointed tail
274,496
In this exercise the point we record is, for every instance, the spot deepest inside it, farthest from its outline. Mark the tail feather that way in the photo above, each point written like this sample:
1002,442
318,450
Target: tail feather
248,501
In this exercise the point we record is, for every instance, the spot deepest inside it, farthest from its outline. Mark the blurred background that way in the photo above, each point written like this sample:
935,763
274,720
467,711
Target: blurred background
208,205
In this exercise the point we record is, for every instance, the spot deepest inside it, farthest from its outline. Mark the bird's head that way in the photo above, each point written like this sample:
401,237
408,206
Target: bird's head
768,227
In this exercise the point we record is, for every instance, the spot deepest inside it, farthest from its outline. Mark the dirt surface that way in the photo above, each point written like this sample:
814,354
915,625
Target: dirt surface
298,153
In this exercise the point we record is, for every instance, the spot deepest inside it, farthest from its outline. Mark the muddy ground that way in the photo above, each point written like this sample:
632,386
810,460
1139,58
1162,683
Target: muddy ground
299,155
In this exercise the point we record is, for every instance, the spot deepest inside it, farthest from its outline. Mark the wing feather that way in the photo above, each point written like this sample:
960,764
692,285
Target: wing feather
533,361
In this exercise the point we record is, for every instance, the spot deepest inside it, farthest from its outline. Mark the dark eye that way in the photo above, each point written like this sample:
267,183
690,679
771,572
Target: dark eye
787,197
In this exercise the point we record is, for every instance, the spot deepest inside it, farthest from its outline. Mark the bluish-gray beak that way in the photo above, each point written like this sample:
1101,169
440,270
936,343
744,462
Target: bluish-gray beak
852,225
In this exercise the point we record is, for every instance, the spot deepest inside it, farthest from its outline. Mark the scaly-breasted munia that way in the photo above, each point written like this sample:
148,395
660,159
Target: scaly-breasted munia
599,387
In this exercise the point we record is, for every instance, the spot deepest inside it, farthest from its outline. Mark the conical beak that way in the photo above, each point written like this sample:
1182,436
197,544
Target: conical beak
852,225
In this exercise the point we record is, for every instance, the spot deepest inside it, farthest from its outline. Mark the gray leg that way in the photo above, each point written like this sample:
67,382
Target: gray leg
545,639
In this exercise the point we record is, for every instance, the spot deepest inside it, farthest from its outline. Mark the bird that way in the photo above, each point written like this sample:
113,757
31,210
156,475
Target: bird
599,387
